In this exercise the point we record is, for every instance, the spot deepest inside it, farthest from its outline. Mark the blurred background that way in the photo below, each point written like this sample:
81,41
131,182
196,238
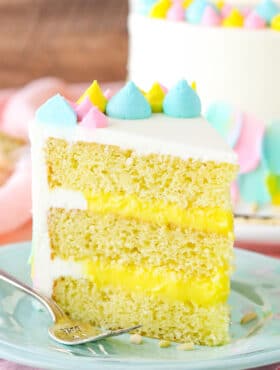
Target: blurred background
71,39
75,42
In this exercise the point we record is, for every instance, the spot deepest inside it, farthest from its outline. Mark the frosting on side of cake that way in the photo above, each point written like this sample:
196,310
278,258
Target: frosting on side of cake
257,148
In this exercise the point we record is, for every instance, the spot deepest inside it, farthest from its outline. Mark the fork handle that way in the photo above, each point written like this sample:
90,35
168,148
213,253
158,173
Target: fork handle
54,310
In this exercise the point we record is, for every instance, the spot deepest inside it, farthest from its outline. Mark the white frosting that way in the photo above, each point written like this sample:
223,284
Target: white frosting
40,204
68,199
47,270
184,138
238,66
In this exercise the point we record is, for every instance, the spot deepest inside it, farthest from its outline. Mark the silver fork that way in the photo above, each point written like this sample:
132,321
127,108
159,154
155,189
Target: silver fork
65,330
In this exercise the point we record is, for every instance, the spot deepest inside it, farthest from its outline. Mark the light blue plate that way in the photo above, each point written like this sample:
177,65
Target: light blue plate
255,286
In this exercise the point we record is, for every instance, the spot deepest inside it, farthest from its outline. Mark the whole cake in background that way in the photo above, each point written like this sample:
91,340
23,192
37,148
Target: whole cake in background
132,219
232,52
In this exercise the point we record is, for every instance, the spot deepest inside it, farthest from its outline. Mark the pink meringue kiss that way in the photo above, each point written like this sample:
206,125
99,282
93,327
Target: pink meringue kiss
254,21
94,119
245,11
164,88
210,17
248,146
226,10
176,12
83,108
108,93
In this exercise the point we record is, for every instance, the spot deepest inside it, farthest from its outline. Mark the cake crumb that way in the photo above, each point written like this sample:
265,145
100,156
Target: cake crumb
185,346
136,339
249,316
164,343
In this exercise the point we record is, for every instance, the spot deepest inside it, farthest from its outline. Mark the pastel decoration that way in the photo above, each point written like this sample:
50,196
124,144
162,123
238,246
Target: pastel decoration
254,21
226,10
275,23
267,10
56,111
246,11
234,19
129,103
144,6
220,4
186,3
271,148
211,17
83,108
176,12
226,120
252,186
95,95
155,97
248,146
94,119
164,88
235,125
26,101
182,101
273,185
234,192
160,9
195,11
108,93
193,85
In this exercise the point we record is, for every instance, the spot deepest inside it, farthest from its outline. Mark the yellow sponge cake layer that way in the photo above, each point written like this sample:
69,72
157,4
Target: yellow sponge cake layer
96,168
114,308
82,235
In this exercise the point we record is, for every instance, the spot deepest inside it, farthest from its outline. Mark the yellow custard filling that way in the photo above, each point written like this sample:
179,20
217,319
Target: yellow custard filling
169,285
208,219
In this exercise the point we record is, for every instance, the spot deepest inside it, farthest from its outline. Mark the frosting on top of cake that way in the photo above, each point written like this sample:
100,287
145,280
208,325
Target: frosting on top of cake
157,121
265,14
129,103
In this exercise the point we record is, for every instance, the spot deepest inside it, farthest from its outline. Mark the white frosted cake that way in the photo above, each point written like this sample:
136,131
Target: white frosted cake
132,217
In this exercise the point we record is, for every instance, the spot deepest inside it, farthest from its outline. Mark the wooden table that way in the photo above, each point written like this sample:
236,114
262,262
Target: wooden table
78,40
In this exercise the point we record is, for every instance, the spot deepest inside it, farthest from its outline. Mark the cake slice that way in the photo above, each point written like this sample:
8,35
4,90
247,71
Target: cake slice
132,213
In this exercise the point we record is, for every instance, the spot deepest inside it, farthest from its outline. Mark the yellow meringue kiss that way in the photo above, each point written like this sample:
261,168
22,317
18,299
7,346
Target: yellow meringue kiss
234,19
220,4
273,182
275,23
186,3
155,97
95,95
160,9
193,85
